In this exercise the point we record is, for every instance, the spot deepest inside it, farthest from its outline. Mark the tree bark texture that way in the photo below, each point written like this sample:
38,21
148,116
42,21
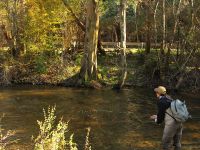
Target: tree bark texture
88,70
164,27
148,27
123,73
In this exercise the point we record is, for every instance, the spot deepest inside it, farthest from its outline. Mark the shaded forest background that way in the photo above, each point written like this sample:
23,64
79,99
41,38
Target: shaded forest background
64,42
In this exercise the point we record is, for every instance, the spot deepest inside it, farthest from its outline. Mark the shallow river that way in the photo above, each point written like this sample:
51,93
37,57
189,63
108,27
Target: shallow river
118,120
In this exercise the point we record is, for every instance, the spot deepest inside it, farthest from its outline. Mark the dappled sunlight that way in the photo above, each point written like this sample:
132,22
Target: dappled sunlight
137,140
3,96
145,144
196,136
193,127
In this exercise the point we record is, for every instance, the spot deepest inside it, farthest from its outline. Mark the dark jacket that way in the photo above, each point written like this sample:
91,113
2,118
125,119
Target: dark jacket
163,104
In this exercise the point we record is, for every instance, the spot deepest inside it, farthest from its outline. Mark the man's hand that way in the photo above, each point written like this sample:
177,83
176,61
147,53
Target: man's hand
153,117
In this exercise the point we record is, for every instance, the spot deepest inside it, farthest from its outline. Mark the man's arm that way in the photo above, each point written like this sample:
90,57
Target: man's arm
161,112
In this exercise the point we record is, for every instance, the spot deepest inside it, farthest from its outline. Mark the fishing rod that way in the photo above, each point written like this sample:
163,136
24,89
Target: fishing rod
193,118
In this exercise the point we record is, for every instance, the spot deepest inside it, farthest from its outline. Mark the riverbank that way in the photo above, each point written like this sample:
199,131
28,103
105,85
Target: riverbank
48,68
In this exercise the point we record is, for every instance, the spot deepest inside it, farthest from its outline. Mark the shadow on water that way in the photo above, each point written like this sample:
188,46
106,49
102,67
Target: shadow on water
118,120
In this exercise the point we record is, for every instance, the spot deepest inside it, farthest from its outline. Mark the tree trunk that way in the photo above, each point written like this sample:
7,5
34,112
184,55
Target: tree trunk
15,13
176,19
100,48
76,18
83,28
15,29
148,28
164,27
155,23
136,24
123,73
167,60
192,12
8,39
117,33
88,70
163,44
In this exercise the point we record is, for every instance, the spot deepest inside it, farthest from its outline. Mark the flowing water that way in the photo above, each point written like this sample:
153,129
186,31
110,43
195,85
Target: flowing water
119,120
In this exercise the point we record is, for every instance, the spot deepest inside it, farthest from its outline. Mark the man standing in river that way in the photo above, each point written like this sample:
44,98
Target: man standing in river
173,130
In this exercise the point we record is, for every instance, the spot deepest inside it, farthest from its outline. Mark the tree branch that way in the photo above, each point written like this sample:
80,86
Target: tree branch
78,21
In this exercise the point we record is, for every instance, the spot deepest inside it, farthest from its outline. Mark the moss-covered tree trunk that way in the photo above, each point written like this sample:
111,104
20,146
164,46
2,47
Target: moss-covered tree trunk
123,72
88,70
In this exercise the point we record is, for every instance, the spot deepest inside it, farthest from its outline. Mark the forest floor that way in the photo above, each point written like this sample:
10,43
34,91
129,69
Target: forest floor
53,69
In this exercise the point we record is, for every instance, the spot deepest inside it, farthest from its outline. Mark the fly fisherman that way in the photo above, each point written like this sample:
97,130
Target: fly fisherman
173,130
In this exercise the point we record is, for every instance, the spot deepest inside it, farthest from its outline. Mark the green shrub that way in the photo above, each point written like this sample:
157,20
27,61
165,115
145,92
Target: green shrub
87,142
140,57
51,135
40,64
78,59
150,63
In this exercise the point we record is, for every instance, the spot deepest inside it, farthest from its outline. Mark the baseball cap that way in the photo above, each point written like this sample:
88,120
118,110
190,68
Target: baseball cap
160,90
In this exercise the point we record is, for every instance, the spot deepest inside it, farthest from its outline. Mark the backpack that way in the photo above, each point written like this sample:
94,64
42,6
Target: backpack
179,111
